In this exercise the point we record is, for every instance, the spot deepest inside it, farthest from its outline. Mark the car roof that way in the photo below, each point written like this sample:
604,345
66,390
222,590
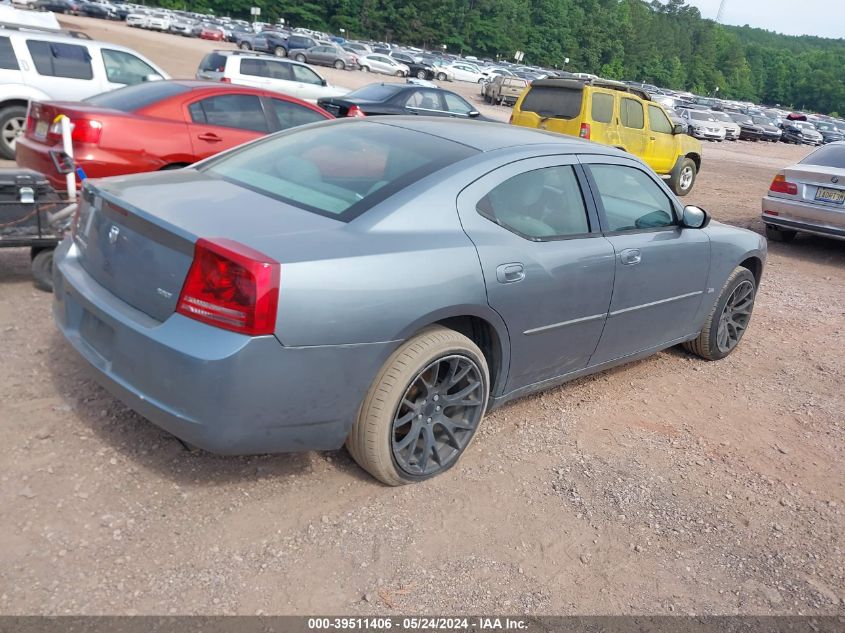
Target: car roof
488,136
60,36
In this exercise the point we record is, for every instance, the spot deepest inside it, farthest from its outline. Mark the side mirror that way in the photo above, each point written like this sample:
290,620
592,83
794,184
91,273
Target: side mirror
678,129
695,217
323,82
474,113
153,77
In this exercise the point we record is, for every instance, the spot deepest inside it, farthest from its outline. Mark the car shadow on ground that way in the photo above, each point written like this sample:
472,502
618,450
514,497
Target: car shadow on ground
96,411
813,249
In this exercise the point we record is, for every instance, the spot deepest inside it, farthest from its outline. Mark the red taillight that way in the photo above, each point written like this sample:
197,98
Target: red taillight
232,287
770,212
86,131
584,132
780,185
355,111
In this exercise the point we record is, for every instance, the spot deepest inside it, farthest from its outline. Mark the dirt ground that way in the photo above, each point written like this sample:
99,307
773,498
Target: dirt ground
671,485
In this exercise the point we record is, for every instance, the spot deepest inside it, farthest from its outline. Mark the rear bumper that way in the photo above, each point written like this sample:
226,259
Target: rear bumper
801,216
218,390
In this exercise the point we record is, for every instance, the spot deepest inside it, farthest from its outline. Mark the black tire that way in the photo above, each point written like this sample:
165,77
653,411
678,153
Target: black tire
420,74
777,234
398,73
279,51
300,57
441,76
340,65
373,435
42,269
365,69
12,124
683,181
706,345
244,46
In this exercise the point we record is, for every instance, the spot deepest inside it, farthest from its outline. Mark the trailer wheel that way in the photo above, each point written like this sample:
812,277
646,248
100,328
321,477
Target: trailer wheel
42,269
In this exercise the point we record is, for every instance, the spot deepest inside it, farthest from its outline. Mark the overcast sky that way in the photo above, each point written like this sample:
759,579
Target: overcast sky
807,17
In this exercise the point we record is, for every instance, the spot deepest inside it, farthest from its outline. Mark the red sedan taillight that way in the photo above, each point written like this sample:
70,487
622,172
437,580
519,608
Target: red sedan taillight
82,131
231,286
780,185
355,111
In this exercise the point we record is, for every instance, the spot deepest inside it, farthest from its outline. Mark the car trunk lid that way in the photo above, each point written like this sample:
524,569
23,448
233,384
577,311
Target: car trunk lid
817,183
136,234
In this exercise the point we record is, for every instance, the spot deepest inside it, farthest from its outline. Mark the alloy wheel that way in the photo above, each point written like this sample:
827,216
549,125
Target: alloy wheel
12,130
735,316
686,178
438,415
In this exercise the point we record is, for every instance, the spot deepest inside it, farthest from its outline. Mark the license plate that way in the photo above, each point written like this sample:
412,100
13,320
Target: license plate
836,196
41,129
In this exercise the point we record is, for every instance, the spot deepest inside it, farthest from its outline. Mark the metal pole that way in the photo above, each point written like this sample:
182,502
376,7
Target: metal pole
67,146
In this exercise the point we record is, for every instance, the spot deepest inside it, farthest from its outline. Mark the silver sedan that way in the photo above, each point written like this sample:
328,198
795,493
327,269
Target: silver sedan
808,197
383,64
383,282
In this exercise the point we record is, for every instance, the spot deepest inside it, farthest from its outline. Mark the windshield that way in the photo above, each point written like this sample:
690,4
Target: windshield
741,118
701,116
761,120
721,116
339,170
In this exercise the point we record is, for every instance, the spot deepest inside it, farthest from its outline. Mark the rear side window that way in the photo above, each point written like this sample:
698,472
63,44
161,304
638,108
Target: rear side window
338,170
632,114
291,114
254,68
658,121
827,156
134,98
602,107
540,204
57,59
549,101
8,59
214,62
243,112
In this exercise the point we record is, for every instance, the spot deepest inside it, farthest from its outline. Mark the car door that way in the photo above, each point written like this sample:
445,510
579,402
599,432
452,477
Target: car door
220,122
661,268
547,268
61,70
632,129
254,73
660,144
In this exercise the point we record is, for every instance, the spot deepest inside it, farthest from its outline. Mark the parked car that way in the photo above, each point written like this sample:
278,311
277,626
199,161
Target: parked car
703,125
138,19
359,48
158,22
732,130
420,248
389,99
504,90
279,75
96,10
213,33
771,132
801,132
465,71
182,26
327,56
377,63
161,125
808,197
56,6
56,66
748,130
612,113
830,132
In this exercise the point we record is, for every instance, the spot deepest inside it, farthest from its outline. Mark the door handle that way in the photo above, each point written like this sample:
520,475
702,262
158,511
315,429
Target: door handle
510,273
631,256
652,138
210,137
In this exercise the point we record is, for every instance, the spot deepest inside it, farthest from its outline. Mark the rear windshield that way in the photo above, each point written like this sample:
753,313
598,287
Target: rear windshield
374,92
134,98
827,156
553,102
213,61
339,170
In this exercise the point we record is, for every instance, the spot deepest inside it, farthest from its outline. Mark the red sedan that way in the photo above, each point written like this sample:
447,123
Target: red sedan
211,33
156,125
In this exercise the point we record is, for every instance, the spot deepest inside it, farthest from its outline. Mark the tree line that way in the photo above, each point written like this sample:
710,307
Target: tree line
664,43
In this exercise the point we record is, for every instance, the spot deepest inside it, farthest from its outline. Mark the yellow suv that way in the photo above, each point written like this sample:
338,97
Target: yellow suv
612,113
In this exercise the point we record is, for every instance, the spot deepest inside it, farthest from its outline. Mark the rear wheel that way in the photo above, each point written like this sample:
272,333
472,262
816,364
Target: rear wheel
12,122
244,46
729,318
365,69
280,52
441,77
682,181
420,74
340,65
398,73
300,57
422,409
777,234
42,269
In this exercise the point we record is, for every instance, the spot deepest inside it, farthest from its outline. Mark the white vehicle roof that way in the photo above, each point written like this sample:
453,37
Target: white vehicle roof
11,16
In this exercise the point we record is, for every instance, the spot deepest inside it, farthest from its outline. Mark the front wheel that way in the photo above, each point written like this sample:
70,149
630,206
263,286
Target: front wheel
244,46
300,58
441,77
423,408
420,74
12,123
399,73
340,65
729,318
682,181
280,52
365,69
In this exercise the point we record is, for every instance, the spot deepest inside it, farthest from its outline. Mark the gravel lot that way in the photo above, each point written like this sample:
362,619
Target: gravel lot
670,485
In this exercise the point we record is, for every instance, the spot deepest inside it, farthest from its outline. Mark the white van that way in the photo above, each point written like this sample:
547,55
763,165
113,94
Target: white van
38,65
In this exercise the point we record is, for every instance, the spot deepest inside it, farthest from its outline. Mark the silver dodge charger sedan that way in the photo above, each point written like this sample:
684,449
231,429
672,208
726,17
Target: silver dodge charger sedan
808,197
384,282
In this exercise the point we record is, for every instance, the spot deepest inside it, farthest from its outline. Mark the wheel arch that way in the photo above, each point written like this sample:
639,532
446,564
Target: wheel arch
482,326
755,265
696,158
